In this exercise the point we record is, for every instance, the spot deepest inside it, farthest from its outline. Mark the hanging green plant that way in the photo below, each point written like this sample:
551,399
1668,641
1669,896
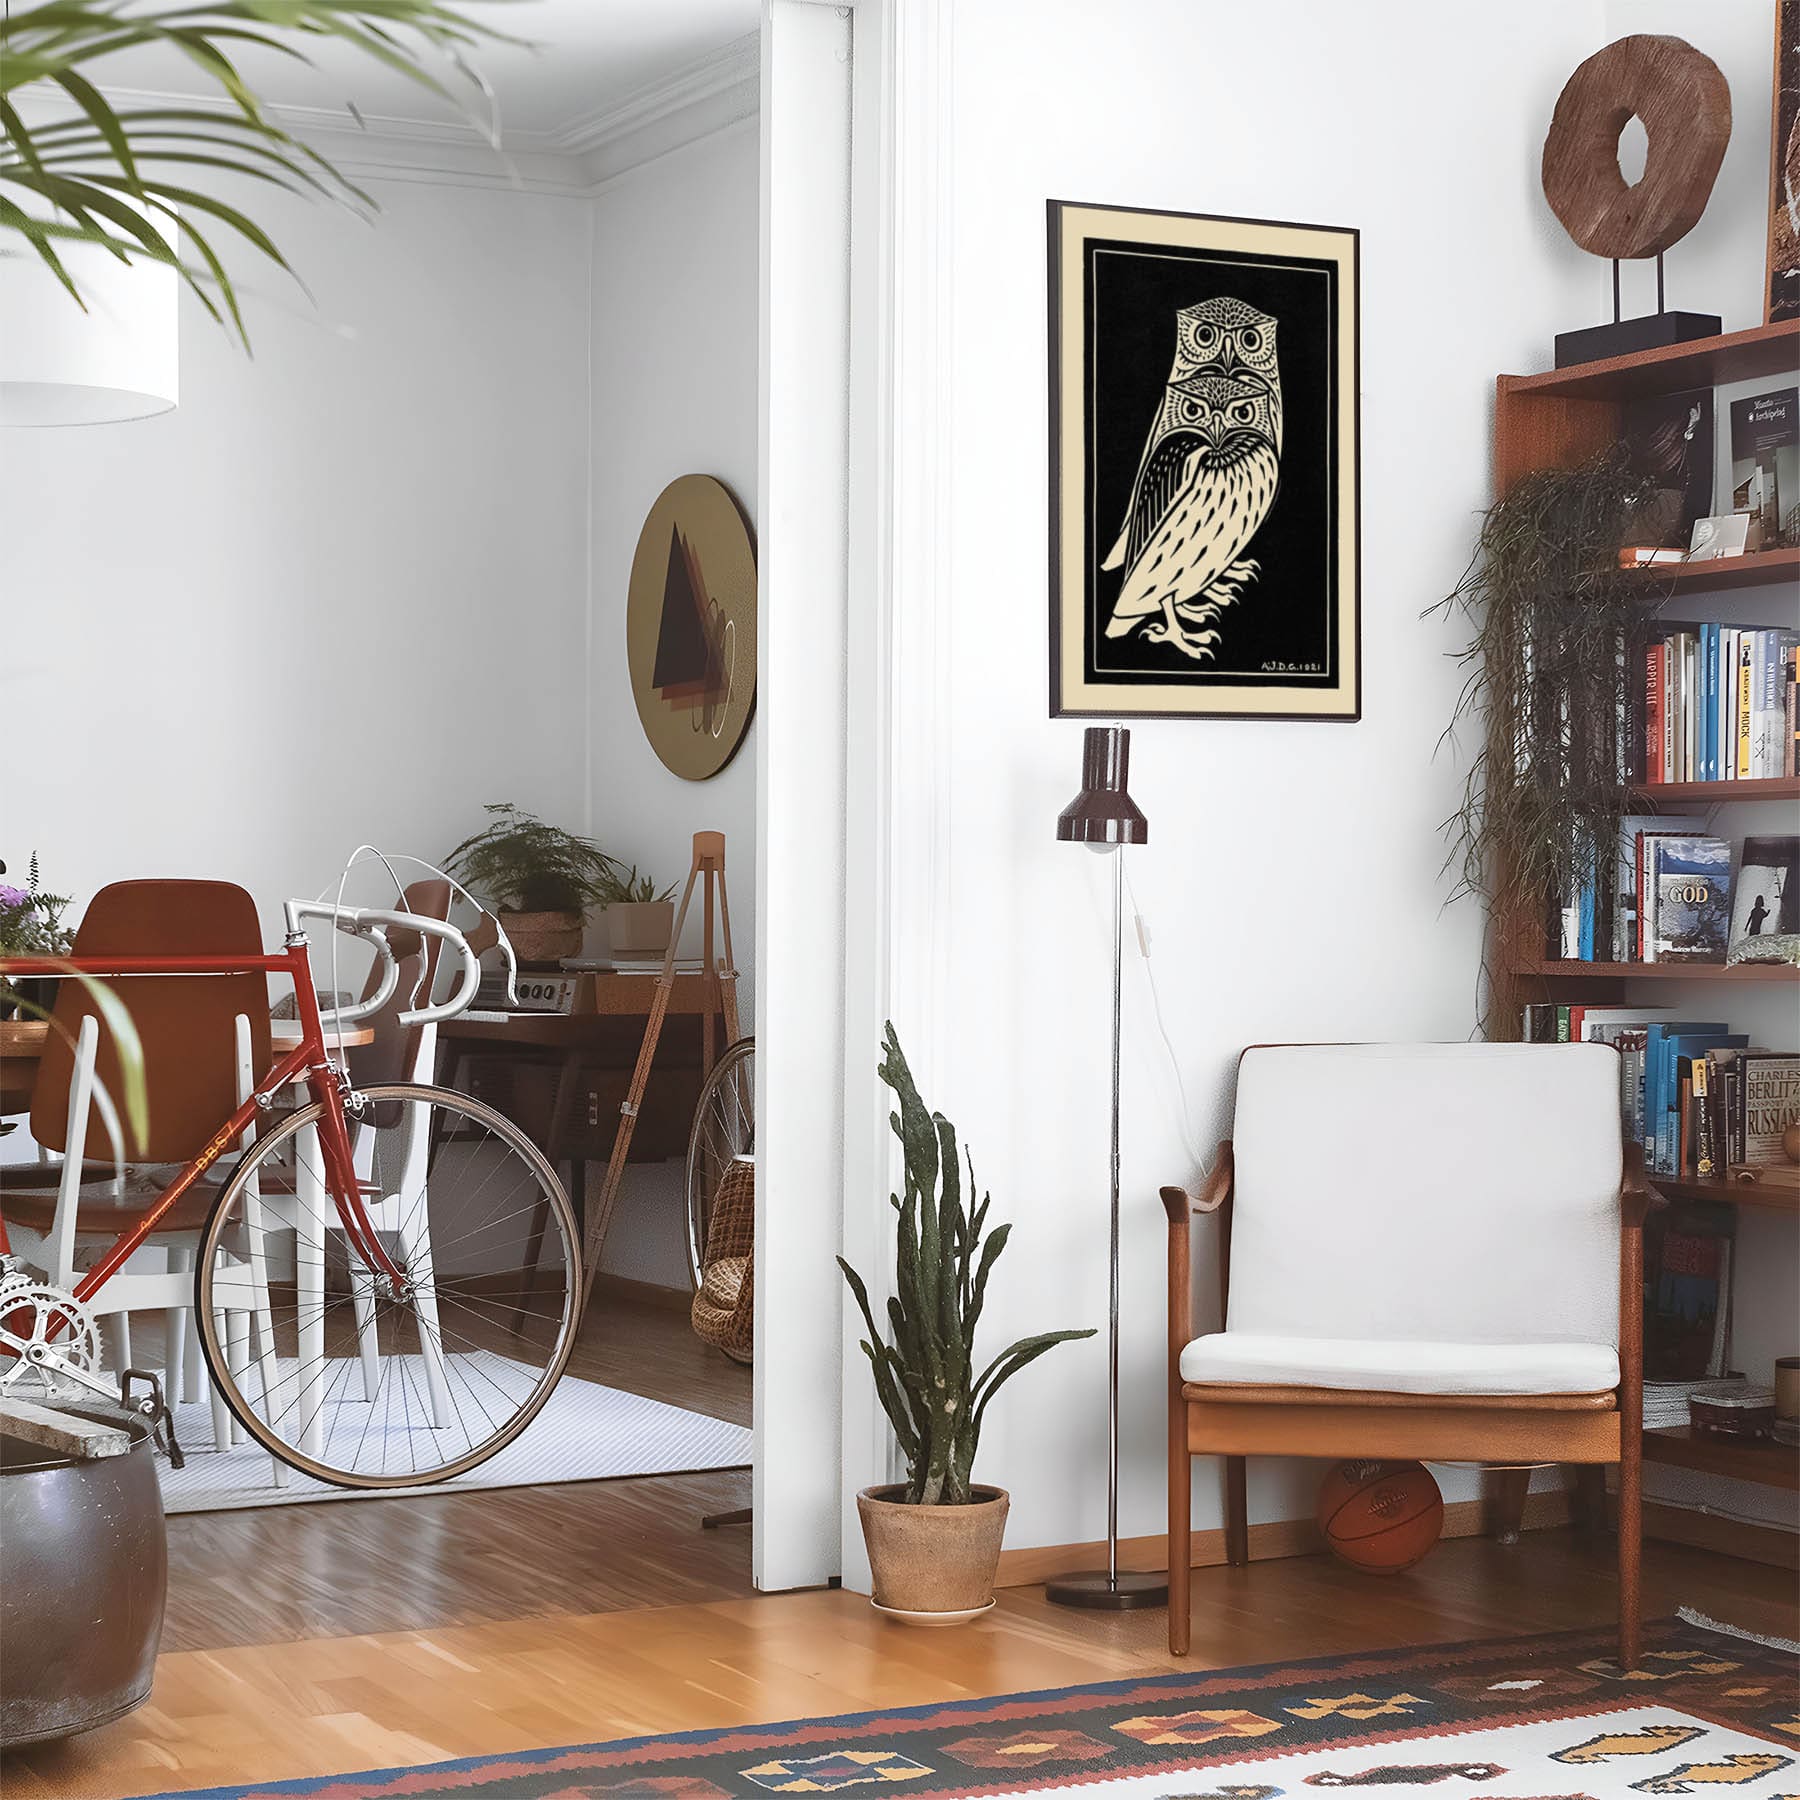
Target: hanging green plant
1549,683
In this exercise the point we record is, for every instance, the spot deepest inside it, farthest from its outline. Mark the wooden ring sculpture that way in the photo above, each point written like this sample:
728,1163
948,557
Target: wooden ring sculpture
1684,102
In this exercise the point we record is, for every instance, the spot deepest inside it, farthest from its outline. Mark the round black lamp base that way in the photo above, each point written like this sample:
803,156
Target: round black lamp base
1095,1590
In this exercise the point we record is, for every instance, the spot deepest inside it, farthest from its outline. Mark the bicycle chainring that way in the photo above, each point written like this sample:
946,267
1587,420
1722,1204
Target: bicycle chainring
34,1312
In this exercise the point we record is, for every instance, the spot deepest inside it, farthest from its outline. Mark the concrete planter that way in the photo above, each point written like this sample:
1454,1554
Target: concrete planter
81,1607
640,928
542,939
933,1565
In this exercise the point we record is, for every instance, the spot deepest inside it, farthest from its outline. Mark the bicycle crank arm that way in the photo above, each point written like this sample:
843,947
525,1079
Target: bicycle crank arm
48,1358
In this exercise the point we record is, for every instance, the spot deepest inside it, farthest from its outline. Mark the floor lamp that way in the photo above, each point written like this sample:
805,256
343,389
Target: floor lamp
1104,817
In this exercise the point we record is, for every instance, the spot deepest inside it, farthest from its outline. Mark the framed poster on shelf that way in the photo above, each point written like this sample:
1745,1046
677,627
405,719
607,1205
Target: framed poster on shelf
1204,466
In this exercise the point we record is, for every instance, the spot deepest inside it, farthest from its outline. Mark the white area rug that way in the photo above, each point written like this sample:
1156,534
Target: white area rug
586,1432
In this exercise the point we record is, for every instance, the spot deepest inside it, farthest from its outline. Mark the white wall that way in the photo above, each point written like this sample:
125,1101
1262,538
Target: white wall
1292,879
375,528
674,336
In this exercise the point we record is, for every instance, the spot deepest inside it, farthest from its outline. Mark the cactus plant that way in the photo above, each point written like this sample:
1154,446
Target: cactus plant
925,1376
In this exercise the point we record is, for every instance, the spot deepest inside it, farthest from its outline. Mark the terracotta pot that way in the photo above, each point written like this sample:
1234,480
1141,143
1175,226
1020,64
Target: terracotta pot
542,939
933,1559
640,927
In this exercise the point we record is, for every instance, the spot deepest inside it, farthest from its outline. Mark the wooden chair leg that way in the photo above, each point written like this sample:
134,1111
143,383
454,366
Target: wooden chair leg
1630,1554
1506,1502
1237,1513
1590,1499
1179,1547
1181,1507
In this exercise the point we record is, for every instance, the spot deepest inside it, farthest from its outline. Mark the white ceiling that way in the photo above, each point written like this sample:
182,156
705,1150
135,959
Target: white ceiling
587,60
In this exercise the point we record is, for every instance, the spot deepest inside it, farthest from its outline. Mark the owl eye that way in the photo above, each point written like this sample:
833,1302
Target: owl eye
1190,411
1207,335
1251,339
1242,412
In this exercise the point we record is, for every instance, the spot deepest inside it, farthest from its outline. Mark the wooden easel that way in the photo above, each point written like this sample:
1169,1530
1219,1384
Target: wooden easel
721,998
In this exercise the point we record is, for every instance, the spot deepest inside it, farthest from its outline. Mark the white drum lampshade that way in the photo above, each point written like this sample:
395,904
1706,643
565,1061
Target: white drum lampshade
61,366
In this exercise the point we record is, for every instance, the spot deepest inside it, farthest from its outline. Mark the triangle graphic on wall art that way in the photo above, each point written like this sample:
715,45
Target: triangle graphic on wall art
687,668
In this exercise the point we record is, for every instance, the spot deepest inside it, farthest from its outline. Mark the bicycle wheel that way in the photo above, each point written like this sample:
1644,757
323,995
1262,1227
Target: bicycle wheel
342,1373
724,1126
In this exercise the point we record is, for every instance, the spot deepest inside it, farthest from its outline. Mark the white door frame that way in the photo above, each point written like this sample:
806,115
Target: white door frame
851,809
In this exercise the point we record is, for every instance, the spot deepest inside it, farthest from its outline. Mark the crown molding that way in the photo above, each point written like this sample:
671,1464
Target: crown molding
706,96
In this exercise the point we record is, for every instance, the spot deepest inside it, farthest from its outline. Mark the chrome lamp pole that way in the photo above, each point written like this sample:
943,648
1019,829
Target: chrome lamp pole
1104,817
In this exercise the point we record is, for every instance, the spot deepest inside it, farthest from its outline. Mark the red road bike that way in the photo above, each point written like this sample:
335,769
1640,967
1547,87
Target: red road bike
387,1280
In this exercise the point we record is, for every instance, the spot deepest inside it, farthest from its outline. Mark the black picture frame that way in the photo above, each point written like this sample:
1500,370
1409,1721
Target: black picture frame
1205,424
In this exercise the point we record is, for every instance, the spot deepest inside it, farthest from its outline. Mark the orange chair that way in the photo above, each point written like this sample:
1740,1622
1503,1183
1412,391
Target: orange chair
199,1037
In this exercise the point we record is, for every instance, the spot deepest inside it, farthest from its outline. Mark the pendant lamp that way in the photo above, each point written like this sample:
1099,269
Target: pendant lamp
59,365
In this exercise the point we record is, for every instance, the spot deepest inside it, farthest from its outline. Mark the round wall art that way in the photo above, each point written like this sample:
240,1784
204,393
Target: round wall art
690,626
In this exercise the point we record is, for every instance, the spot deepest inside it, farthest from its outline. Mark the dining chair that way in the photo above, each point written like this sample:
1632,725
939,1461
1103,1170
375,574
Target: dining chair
203,1041
1425,1251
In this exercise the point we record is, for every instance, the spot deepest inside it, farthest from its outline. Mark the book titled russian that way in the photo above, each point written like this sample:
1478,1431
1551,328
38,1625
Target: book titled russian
1690,882
1770,1099
1765,458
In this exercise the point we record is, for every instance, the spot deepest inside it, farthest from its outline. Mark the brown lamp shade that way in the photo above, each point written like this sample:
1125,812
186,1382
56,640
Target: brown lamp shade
1103,812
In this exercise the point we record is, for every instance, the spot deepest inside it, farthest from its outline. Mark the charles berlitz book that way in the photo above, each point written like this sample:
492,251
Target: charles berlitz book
1770,1098
1690,882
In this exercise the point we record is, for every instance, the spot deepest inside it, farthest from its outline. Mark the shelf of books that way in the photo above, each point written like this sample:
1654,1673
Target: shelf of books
1680,955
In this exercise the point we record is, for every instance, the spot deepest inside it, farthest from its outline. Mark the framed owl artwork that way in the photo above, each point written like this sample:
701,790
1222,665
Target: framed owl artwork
1203,467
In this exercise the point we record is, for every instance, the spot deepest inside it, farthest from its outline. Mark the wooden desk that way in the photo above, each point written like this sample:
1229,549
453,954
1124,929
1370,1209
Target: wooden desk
562,1076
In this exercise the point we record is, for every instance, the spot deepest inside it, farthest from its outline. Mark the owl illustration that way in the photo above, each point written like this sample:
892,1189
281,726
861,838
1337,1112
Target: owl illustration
1205,482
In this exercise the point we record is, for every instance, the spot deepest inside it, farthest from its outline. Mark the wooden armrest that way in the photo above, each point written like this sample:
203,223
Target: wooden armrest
1636,1197
1179,1204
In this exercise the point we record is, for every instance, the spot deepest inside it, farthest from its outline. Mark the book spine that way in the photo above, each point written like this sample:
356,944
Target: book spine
1709,701
1684,702
1653,716
1705,1163
1668,705
1562,1024
1791,766
1683,1124
1726,751
1742,769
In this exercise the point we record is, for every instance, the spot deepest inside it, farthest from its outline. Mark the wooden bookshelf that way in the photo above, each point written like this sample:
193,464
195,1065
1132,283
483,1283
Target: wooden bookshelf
1559,420
1763,350
1743,1459
1551,970
1562,417
1714,793
1765,1197
1758,568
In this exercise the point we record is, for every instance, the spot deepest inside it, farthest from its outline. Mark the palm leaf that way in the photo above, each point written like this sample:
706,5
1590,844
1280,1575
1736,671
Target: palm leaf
80,167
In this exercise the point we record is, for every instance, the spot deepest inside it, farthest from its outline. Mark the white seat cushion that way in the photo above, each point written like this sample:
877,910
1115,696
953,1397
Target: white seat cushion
1395,1366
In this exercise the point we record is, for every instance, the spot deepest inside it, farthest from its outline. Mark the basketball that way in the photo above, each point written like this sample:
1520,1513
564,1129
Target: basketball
1380,1517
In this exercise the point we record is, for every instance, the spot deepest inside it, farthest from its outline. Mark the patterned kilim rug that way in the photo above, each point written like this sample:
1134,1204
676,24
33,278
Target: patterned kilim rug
1544,1718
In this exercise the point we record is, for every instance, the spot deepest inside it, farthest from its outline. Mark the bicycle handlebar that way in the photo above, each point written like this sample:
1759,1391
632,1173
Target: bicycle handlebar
373,925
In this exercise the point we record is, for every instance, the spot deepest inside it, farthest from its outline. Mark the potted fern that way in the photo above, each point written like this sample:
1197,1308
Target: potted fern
542,878
934,1539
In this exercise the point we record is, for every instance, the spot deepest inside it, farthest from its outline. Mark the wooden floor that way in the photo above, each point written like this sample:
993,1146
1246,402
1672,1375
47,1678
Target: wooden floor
336,1704
315,1640
278,1574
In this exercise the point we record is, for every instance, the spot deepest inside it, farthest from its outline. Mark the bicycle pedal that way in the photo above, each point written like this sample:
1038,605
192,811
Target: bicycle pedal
156,1409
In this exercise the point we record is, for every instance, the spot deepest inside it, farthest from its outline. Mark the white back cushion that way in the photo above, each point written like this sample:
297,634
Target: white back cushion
1457,1192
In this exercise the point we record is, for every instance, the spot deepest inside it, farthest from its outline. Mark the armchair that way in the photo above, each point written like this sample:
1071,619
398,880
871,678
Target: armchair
1428,1251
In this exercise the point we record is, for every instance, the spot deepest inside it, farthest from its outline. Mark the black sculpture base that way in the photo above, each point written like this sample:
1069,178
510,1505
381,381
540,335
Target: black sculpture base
1625,337
1097,1592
